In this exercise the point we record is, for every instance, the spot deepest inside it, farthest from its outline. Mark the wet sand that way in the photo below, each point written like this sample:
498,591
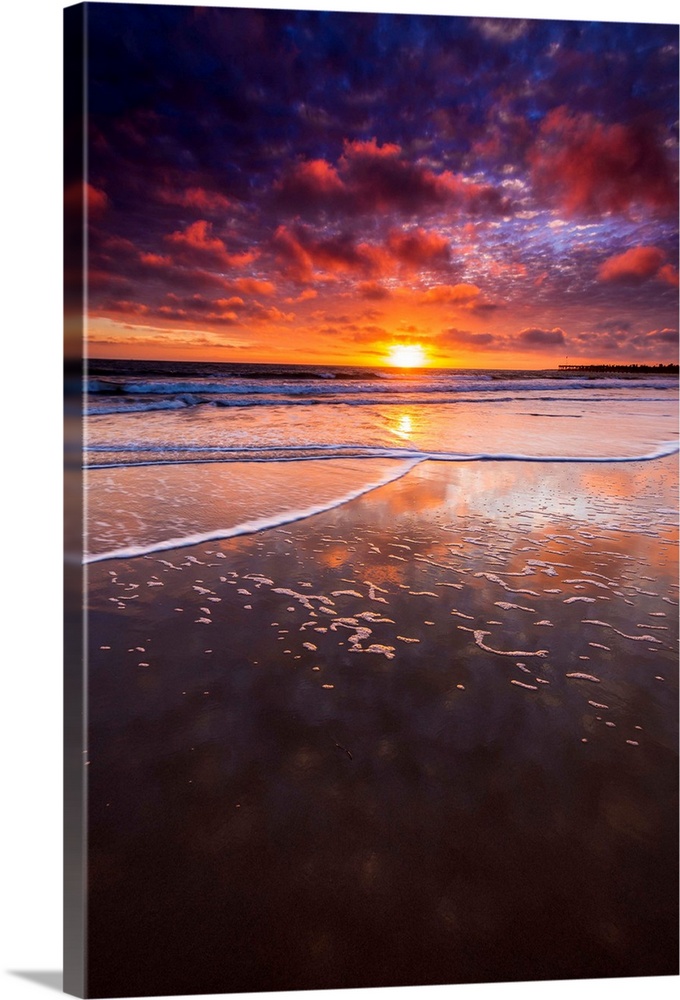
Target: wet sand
429,736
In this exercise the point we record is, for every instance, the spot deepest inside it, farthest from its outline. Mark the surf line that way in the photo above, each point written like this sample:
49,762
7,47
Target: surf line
249,527
664,450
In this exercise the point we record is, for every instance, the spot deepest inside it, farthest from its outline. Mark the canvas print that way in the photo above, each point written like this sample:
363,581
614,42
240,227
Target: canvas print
372,641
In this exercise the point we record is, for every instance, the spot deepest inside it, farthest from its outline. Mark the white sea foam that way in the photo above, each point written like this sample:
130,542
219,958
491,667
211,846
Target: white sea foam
501,583
251,527
639,638
480,635
191,454
376,647
529,687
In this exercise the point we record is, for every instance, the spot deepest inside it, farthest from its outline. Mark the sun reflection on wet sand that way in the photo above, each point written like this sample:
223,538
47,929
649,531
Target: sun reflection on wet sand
404,427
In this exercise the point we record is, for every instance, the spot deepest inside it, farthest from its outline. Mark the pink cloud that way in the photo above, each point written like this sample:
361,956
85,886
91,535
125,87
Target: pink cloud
369,148
591,168
632,266
253,286
296,261
669,274
126,306
78,195
665,336
194,197
370,177
416,247
305,256
198,244
311,179
155,260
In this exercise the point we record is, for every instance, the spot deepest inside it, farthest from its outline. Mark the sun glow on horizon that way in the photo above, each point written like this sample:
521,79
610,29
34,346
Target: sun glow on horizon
407,356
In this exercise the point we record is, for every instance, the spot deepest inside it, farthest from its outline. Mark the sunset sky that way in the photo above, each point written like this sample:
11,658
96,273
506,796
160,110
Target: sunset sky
321,187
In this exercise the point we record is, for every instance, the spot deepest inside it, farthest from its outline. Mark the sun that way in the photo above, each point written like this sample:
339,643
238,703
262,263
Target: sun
406,356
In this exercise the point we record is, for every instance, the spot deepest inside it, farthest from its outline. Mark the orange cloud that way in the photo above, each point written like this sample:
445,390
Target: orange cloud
197,236
126,306
304,296
253,286
269,314
231,303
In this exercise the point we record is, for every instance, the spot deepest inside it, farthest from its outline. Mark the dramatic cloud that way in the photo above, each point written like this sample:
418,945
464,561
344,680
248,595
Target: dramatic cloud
276,172
592,167
417,248
313,182
306,256
370,178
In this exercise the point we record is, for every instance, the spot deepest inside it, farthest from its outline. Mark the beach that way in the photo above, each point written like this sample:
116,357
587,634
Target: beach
427,734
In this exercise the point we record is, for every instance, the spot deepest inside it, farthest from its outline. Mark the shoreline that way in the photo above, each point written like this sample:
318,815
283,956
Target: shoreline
276,476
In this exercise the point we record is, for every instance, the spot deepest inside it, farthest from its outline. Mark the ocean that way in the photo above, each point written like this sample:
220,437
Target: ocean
372,425
143,412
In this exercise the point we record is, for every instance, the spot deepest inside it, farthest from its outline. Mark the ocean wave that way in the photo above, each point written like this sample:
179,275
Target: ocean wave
435,397
252,527
196,454
341,386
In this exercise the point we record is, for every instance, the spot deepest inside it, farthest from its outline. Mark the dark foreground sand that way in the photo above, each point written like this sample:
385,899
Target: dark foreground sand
427,737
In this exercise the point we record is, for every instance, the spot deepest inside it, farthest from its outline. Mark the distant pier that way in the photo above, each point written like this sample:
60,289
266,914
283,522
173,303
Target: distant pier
659,369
